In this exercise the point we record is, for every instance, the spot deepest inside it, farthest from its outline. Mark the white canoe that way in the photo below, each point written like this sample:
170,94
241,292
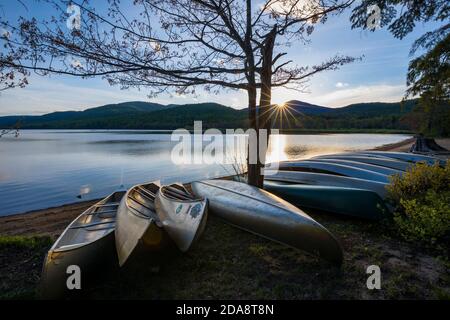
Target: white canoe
361,165
182,214
323,179
137,221
405,156
269,216
332,168
384,162
88,242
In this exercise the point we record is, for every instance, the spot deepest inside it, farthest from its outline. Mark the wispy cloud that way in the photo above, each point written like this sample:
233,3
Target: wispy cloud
341,84
366,93
343,95
45,95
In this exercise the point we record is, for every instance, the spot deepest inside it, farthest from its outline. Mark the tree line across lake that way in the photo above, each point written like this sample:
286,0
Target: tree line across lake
295,116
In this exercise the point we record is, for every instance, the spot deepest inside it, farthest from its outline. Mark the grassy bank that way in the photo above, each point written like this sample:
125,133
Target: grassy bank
232,264
21,259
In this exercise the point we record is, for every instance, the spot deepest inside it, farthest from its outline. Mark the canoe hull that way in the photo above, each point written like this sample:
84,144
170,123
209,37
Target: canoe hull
361,165
388,162
322,179
404,156
346,201
333,168
264,214
135,231
86,243
90,258
184,221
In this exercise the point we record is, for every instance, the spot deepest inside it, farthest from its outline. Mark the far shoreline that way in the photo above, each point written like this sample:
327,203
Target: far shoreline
223,130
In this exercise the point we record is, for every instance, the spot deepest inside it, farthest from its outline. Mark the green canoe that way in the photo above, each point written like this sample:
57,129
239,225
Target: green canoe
347,201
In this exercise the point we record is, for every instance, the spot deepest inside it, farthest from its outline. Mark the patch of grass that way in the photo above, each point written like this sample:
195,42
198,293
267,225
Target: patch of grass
402,284
32,242
442,294
228,263
20,265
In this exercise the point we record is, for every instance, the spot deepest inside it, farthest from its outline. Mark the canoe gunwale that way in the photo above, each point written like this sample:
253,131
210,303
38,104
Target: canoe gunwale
78,245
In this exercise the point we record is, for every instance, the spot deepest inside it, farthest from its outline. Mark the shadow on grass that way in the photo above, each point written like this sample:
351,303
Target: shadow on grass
228,263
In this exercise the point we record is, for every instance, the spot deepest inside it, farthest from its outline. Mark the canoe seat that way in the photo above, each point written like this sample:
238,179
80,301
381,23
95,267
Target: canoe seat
91,224
146,205
101,212
177,192
101,228
111,204
146,191
143,194
180,188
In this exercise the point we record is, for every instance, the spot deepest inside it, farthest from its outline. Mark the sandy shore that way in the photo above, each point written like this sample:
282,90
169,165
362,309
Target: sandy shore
52,221
405,145
402,146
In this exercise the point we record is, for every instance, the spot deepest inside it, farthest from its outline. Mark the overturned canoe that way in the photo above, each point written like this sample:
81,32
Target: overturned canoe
361,165
88,243
265,214
346,201
182,214
384,162
405,156
137,221
323,179
333,168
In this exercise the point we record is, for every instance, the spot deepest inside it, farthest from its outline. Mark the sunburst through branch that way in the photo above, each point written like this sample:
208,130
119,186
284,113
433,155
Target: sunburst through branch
282,114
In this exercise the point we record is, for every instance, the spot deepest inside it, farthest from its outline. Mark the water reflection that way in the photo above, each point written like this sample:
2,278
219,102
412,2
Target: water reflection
291,147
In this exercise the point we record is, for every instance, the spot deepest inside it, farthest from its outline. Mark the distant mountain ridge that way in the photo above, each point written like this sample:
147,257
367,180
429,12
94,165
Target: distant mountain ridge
307,108
148,115
369,109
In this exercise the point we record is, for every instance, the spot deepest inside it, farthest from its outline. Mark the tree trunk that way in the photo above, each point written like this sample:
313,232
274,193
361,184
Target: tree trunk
253,169
265,100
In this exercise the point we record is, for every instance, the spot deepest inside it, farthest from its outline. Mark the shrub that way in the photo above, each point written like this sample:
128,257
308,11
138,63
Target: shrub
421,201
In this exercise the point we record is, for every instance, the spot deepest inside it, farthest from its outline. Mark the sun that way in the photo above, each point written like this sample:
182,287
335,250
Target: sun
281,114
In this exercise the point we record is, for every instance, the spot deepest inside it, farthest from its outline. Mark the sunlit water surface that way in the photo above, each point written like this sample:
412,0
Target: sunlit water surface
46,168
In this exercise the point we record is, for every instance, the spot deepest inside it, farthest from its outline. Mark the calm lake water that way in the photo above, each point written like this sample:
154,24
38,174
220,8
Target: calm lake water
46,168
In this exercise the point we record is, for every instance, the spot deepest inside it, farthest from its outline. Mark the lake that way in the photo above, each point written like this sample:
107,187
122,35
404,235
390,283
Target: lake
46,168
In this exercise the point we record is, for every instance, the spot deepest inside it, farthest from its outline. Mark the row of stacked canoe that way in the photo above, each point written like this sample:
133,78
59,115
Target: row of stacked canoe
141,218
353,184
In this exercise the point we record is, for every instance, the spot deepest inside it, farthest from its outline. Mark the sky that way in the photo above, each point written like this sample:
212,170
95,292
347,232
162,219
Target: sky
379,76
